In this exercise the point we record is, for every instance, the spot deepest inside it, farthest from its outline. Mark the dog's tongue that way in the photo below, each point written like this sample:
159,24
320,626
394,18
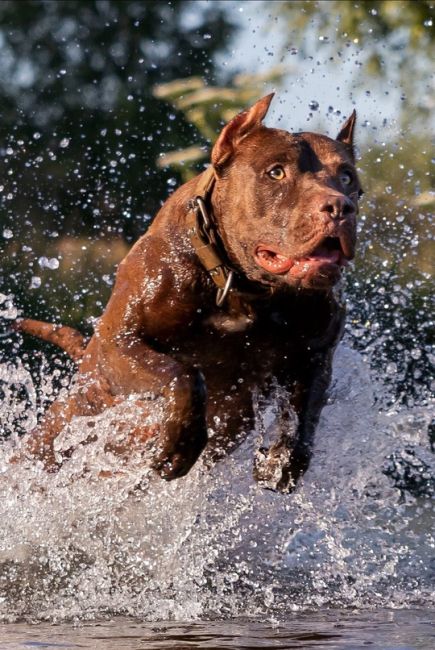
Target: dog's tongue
322,253
273,262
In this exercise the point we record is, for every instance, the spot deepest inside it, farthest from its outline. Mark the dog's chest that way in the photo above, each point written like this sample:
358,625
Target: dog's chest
236,315
229,323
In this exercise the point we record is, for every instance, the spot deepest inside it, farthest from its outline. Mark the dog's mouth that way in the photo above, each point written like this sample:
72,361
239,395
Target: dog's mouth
332,250
325,260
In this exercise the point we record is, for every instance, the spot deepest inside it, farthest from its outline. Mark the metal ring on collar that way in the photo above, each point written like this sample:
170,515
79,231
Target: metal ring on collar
201,205
222,293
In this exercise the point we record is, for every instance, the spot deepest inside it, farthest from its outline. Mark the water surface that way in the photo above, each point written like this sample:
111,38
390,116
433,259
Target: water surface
379,630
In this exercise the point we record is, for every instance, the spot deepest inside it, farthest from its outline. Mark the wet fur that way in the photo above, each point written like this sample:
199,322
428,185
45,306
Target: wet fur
162,335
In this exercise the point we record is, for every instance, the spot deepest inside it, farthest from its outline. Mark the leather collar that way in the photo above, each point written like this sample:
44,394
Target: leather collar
205,238
207,243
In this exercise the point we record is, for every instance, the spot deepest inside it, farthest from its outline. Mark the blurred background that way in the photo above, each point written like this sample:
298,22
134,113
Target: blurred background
106,106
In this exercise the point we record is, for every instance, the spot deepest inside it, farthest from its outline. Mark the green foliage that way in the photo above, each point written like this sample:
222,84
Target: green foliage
393,40
371,23
390,289
80,131
208,108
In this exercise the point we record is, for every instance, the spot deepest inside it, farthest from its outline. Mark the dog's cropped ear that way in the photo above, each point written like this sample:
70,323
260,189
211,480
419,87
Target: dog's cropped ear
346,132
237,129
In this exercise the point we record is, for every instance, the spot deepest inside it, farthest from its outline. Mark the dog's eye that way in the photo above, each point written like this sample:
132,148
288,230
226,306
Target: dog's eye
346,178
277,173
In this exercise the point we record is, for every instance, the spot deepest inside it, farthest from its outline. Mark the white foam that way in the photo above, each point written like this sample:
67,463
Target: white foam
215,542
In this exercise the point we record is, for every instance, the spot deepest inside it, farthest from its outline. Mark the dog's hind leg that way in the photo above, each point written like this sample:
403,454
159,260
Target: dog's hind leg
162,417
88,398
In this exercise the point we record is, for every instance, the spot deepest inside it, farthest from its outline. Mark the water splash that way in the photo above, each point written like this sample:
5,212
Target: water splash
215,543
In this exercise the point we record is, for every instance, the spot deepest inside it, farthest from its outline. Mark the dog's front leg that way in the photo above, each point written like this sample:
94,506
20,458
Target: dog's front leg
310,399
285,460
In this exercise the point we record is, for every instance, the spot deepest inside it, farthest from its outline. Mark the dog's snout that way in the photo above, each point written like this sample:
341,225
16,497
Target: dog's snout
337,207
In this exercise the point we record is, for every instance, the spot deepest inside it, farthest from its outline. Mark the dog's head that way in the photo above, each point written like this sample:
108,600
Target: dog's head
286,203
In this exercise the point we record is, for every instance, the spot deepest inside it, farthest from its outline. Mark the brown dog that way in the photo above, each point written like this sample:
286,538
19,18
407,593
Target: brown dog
227,295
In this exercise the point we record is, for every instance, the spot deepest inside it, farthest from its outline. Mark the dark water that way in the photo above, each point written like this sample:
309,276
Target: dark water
380,630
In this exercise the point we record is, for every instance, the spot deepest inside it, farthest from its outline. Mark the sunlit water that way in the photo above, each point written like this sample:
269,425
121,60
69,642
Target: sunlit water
215,545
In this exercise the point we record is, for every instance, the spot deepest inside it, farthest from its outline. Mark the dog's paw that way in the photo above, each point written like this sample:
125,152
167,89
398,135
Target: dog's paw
175,458
173,466
272,468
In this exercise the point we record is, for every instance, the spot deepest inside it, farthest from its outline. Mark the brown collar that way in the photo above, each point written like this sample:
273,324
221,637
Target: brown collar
205,239
207,243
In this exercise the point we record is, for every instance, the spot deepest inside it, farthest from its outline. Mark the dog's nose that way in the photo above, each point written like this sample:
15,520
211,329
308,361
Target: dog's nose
337,207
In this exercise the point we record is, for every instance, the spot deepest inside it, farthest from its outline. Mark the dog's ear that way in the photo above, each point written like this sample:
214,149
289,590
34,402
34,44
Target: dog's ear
237,129
346,132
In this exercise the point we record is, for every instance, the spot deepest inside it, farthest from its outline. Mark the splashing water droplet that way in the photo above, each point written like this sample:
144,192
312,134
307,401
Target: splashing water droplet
53,263
35,282
48,263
